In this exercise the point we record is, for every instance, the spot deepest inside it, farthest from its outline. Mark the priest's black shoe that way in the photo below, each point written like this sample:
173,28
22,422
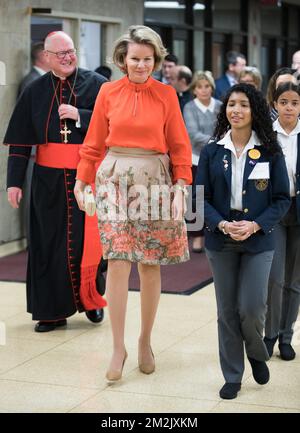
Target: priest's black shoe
287,353
229,390
270,343
260,371
95,316
49,326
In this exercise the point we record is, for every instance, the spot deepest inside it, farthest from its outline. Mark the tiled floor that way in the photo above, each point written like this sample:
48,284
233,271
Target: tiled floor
63,371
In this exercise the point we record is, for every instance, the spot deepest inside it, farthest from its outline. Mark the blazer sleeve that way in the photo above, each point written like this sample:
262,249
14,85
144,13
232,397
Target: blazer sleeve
222,85
211,216
281,200
218,91
93,148
177,139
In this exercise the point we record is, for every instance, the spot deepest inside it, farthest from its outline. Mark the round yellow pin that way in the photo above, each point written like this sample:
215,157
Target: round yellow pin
254,154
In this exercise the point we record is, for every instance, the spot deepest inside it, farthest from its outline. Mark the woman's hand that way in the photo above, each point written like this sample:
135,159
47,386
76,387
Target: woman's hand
67,111
241,230
79,193
179,202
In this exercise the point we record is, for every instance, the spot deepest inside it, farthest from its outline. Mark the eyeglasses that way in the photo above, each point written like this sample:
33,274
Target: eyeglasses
62,54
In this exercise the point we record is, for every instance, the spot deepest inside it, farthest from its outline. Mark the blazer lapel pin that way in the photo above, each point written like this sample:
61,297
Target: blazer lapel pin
225,162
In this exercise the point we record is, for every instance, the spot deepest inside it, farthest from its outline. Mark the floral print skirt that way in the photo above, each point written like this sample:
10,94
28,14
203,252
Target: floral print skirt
133,197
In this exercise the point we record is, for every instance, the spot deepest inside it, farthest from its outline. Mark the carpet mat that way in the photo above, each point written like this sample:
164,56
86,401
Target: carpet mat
182,279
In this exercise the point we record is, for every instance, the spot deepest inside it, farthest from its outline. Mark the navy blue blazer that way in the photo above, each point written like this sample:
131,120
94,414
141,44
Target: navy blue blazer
222,85
265,202
297,186
297,183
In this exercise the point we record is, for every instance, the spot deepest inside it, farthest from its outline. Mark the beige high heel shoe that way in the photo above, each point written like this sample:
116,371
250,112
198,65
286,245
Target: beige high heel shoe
112,376
147,367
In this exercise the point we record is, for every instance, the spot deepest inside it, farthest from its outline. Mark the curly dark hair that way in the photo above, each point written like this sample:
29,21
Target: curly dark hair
261,120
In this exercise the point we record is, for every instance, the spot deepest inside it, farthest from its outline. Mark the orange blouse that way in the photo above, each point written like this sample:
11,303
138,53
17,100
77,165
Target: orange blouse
136,115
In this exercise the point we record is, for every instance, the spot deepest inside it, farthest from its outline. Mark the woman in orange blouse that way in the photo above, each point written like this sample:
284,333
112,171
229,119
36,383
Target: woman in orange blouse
137,133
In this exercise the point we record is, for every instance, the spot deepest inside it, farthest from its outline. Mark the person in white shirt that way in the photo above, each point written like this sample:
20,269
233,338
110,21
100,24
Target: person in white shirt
282,75
169,63
200,116
39,66
246,193
284,283
235,63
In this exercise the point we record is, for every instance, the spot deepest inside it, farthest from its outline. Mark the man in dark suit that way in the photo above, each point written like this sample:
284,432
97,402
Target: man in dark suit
180,79
235,63
39,66
105,71
169,63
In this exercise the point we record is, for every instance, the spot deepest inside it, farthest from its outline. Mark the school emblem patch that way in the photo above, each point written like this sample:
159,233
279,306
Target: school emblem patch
261,184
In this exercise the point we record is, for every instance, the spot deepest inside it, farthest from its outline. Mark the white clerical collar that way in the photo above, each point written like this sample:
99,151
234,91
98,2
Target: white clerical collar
227,142
64,78
57,76
39,70
205,108
278,128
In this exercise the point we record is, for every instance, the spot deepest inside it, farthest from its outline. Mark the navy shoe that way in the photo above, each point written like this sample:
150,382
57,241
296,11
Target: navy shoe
229,390
95,316
260,371
49,326
270,343
287,353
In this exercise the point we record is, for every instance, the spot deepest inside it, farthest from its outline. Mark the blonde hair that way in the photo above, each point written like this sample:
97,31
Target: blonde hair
139,35
202,75
254,74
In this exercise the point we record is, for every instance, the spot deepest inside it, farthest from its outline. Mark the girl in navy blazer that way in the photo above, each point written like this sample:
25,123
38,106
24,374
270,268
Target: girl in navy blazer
246,193
284,283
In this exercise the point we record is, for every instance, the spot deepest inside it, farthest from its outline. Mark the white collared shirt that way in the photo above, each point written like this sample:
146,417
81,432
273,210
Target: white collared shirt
39,70
204,108
231,79
289,145
237,168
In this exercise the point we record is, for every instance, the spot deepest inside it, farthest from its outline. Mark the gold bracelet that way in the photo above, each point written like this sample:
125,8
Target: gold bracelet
254,231
223,227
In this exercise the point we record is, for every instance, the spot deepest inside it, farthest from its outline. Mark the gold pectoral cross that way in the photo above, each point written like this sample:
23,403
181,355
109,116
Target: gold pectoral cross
65,132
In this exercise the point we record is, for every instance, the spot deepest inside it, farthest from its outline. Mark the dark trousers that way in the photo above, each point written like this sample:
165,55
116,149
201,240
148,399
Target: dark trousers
284,283
241,285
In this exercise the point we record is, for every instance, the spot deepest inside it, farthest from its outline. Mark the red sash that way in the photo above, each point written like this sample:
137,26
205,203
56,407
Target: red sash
66,156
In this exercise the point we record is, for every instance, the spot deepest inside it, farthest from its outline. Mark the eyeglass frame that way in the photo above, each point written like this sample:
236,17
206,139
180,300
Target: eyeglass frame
71,52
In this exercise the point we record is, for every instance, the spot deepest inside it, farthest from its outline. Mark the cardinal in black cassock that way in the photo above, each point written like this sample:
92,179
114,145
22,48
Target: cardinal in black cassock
53,114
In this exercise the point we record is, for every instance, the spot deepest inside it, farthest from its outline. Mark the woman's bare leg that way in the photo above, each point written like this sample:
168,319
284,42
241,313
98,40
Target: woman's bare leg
117,295
150,293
